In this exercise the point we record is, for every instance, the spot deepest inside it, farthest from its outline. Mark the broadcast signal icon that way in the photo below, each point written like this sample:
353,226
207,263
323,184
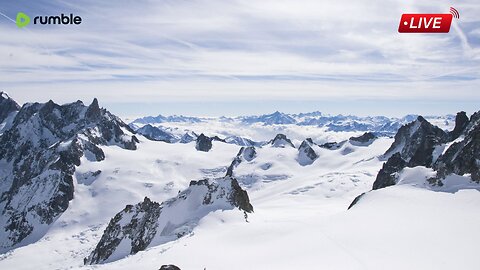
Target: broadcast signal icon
455,13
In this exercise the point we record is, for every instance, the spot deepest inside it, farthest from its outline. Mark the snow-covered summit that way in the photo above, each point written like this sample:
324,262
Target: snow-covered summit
448,156
149,224
8,107
39,153
281,141
276,118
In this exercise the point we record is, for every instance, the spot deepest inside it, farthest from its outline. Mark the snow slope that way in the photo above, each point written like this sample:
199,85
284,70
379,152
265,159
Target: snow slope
401,227
300,220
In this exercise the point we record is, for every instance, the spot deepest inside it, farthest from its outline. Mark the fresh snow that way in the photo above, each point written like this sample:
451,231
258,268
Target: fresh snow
300,220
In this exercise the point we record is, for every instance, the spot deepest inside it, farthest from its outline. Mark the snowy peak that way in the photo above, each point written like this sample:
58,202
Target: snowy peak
416,141
463,156
93,111
281,141
188,137
148,223
306,154
276,118
364,140
7,107
387,176
157,134
40,151
422,144
135,224
241,141
309,114
414,145
246,153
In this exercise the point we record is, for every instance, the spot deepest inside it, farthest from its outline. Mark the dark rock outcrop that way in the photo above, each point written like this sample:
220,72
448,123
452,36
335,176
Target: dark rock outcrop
414,146
169,267
281,141
7,106
156,134
42,147
463,157
242,141
387,176
306,154
364,140
135,224
218,139
416,141
331,145
149,223
203,143
461,122
225,188
355,201
245,153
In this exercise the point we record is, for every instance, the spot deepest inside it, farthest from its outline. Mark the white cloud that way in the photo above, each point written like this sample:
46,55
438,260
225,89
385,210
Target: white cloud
146,50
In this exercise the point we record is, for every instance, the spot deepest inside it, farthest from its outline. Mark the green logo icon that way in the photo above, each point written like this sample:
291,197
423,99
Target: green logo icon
22,19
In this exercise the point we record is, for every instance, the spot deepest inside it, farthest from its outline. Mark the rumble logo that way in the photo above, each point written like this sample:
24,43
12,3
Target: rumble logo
24,20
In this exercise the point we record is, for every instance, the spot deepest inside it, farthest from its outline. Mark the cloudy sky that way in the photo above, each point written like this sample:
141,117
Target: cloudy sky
221,57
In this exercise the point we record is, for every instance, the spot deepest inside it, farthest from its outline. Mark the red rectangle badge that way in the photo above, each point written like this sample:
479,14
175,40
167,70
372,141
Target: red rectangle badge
425,23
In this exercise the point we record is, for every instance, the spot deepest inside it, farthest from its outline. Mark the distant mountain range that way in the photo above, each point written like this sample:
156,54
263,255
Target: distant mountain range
151,127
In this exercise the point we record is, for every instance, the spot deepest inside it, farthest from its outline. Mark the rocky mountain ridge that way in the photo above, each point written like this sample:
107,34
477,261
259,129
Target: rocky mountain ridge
39,153
149,223
8,109
420,143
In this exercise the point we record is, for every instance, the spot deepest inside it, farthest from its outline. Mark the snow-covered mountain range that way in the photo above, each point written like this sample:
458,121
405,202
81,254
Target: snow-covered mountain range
81,189
257,130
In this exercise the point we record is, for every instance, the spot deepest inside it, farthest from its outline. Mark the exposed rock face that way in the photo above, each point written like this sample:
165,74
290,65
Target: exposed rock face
281,141
188,137
203,143
414,145
364,140
387,176
355,201
245,153
416,141
218,139
156,134
242,141
461,122
39,153
306,154
136,225
331,145
169,267
7,106
463,157
149,223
